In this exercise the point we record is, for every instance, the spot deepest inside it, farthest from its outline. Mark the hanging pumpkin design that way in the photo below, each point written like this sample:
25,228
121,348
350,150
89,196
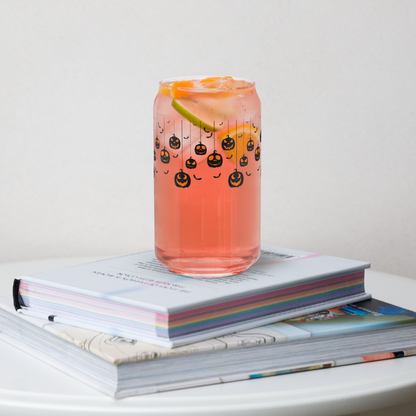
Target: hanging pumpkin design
154,155
243,161
214,160
191,163
182,179
200,149
164,156
174,142
250,145
157,143
257,153
228,143
236,179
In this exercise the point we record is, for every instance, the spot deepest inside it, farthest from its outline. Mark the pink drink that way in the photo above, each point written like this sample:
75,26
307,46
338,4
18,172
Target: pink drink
207,135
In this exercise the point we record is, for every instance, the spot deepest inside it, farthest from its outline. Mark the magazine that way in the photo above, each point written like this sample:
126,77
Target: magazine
348,334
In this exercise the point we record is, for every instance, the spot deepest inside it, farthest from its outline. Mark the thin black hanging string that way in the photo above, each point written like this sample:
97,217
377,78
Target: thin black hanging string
200,132
243,136
164,133
174,126
182,141
250,129
214,136
190,139
236,144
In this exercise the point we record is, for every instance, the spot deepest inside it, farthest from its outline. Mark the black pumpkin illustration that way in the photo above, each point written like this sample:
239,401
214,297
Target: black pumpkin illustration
244,160
228,143
257,153
191,163
182,179
250,145
157,143
164,156
174,142
200,149
214,160
154,154
236,179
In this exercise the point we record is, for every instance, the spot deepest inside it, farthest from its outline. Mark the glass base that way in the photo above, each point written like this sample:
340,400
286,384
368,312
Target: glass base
207,267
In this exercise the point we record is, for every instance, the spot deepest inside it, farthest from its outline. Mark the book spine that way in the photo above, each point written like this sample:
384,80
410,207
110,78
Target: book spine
17,299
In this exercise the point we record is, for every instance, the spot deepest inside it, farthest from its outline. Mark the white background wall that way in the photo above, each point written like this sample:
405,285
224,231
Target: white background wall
337,80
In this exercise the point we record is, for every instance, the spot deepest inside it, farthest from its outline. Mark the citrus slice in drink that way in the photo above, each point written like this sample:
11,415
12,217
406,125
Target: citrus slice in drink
198,114
219,85
239,141
222,83
177,89
207,102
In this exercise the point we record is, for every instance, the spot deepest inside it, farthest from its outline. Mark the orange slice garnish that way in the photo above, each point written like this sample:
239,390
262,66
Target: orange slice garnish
184,88
244,140
181,88
176,89
222,83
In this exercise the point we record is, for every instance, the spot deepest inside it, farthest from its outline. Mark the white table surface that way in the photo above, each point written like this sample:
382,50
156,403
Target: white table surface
29,386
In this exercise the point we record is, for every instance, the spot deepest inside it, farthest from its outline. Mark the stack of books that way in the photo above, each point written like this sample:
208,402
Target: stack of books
128,326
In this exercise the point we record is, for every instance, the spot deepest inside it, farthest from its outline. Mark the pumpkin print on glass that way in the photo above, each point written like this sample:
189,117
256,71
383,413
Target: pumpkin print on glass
243,161
174,142
191,163
154,155
257,153
214,160
228,143
205,170
157,143
236,179
164,156
200,149
250,145
182,179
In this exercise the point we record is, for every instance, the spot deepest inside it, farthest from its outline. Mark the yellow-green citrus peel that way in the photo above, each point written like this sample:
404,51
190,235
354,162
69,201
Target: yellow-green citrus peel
180,106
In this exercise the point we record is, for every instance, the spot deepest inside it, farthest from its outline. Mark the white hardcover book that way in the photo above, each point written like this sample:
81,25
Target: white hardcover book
136,297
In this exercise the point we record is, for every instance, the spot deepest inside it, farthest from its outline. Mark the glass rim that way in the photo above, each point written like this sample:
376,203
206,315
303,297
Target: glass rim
167,81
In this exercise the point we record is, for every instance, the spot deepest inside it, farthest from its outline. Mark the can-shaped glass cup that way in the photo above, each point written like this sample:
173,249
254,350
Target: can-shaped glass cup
207,175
